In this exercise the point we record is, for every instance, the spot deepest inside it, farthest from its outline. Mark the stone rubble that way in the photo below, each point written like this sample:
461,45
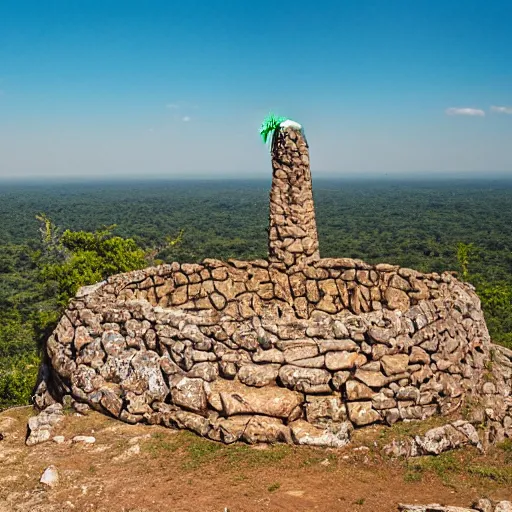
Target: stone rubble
482,505
41,426
294,349
433,507
436,440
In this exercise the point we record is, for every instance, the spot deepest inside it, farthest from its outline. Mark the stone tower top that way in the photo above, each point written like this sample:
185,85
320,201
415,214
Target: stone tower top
293,238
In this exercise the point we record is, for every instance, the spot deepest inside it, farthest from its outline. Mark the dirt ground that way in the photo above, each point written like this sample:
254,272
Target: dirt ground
146,468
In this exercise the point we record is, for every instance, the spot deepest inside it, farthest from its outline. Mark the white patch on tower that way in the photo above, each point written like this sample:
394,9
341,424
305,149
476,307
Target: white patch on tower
291,124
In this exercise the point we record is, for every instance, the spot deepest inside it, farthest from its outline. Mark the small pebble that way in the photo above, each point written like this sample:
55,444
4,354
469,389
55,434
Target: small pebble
50,476
295,494
84,439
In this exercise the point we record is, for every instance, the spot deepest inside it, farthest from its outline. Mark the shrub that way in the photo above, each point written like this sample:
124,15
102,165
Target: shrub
17,380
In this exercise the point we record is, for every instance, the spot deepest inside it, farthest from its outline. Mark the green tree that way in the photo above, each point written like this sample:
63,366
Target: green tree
495,295
17,379
79,258
464,253
497,305
19,360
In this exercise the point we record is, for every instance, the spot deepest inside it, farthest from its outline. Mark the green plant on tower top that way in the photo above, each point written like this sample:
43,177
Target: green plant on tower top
269,126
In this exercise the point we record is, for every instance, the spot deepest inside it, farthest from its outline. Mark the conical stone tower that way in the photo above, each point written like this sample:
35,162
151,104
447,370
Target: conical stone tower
293,238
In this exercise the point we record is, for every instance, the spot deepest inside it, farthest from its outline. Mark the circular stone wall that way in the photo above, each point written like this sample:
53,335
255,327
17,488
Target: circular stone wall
258,352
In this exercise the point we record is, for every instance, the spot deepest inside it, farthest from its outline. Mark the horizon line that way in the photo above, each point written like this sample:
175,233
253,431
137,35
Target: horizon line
376,177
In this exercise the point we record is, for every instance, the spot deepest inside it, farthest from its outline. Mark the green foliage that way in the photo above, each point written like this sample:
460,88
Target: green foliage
496,297
444,465
497,304
50,237
175,241
17,379
200,451
90,258
269,126
450,467
506,445
160,443
502,475
16,336
19,361
464,252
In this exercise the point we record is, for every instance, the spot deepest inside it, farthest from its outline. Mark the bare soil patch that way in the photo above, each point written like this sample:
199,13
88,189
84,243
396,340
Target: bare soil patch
145,468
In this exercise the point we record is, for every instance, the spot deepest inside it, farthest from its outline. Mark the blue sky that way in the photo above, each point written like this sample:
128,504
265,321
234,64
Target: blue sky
161,88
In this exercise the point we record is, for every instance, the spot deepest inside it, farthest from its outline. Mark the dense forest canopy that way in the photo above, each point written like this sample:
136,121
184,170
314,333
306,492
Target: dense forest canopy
463,225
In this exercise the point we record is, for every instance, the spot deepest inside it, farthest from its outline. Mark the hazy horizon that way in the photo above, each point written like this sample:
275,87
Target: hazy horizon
380,178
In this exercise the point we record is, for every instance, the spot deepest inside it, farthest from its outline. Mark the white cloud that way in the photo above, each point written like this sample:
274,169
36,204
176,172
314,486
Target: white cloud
502,110
186,119
182,105
464,112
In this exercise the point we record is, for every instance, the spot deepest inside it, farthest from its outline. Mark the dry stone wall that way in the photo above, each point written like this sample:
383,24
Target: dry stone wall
295,349
245,350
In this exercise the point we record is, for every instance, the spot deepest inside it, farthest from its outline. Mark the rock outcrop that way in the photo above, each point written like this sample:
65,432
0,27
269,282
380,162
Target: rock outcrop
294,349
